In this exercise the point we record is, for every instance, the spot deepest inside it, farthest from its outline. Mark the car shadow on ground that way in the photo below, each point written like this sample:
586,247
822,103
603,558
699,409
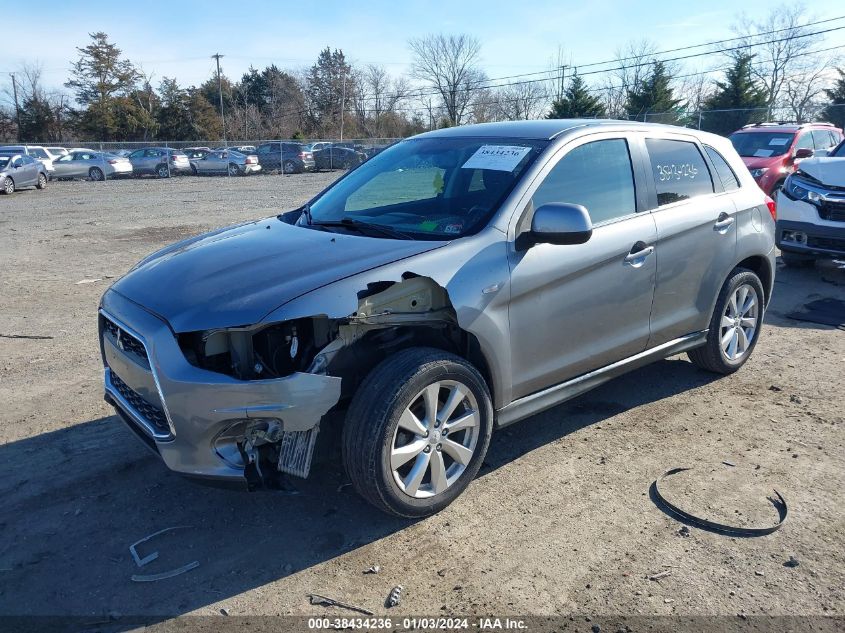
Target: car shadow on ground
797,287
75,499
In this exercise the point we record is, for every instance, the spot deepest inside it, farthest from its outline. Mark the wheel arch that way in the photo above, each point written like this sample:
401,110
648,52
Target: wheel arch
761,267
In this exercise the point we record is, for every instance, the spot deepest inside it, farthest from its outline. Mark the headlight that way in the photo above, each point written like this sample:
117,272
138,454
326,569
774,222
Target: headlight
796,191
757,173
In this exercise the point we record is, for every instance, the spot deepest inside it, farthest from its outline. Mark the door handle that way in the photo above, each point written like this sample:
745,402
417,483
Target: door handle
723,222
637,256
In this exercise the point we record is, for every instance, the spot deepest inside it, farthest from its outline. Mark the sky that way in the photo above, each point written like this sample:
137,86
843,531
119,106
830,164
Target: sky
177,38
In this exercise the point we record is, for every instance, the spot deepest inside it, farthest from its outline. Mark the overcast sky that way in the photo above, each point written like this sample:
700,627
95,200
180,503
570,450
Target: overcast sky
176,38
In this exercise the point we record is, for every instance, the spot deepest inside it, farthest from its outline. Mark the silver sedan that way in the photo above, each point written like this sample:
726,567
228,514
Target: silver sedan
91,164
206,163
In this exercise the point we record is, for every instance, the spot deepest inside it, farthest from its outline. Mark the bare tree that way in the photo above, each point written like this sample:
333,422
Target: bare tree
803,92
450,65
782,52
522,100
629,70
378,95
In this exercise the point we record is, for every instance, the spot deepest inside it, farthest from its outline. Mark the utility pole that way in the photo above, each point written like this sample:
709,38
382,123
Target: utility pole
217,57
17,108
342,105
562,84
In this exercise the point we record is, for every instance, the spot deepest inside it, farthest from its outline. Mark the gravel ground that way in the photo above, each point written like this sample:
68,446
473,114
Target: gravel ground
558,522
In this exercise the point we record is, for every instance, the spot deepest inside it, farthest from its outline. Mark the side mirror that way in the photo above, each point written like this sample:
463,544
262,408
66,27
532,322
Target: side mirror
560,223
804,152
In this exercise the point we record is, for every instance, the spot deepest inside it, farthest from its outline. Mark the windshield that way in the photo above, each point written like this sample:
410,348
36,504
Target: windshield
429,188
762,144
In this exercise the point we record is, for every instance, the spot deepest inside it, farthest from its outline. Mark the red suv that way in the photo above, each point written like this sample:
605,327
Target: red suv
772,150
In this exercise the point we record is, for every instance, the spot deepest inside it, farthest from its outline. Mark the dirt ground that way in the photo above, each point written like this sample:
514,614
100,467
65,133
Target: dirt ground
558,522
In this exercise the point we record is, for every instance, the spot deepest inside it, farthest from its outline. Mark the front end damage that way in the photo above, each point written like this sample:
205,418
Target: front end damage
249,401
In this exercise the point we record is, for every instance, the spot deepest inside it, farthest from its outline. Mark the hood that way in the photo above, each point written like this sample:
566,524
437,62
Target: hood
756,162
829,171
237,276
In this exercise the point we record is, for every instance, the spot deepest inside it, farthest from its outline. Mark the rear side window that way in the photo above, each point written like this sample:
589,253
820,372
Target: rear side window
37,151
597,175
726,174
805,141
679,170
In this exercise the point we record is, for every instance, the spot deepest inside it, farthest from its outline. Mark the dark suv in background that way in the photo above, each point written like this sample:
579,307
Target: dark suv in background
771,151
288,157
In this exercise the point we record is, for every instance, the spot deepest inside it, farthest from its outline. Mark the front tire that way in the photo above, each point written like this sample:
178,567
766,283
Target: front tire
289,167
734,326
42,181
162,171
8,186
233,170
417,431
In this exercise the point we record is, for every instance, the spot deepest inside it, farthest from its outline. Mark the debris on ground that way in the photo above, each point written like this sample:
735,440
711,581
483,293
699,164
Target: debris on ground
151,557
759,573
224,611
165,574
88,281
792,562
372,570
727,463
317,599
774,388
394,598
684,531
662,574
32,337
140,562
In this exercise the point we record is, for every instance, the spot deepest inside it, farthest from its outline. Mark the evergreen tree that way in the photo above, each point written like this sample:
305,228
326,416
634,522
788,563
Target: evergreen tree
654,96
577,102
329,81
738,91
100,78
835,111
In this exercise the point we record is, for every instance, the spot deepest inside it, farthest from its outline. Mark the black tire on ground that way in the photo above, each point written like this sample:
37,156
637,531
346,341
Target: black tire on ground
96,174
162,171
710,356
289,167
8,186
42,181
194,169
373,418
797,260
233,170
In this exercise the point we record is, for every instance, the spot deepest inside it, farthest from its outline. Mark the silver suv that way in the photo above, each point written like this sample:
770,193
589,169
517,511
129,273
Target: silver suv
455,283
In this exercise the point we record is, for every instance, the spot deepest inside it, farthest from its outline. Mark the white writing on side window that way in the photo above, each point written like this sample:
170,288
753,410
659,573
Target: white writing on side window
676,171
496,157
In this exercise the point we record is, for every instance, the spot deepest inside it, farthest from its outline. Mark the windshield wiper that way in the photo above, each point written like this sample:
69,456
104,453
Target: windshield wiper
363,227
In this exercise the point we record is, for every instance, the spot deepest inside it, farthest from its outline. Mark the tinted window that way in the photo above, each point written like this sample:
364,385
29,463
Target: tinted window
38,152
597,175
839,152
27,160
762,144
821,139
679,170
726,174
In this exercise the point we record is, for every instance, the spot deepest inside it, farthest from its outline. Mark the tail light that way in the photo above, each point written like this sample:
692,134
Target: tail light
251,160
772,207
302,154
113,161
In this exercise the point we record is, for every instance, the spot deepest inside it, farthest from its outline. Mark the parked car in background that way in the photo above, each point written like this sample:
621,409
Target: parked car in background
288,157
122,152
18,171
160,161
243,149
772,151
36,151
56,152
335,157
462,280
811,210
219,162
90,164
196,152
313,147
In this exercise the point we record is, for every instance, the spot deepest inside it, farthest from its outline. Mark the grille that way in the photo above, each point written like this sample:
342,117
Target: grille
827,243
149,412
833,211
126,341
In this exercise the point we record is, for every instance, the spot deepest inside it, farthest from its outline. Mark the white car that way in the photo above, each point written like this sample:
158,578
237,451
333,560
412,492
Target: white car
811,210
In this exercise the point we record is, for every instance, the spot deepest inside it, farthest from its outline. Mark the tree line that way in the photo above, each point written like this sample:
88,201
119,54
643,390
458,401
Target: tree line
774,68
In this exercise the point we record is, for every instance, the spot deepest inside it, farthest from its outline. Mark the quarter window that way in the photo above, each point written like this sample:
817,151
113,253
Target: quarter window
726,174
597,175
679,170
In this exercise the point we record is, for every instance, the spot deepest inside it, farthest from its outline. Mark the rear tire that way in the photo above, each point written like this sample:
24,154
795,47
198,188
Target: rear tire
797,260
42,181
96,174
735,325
397,459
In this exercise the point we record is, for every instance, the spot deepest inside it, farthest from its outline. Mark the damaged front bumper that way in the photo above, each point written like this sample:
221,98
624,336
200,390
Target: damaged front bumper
202,423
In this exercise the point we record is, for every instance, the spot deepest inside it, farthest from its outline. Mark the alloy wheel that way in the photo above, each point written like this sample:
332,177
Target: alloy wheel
9,186
435,439
739,322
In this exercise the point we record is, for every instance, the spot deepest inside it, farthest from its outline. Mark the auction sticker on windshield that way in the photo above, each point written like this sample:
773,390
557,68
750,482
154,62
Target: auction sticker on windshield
497,157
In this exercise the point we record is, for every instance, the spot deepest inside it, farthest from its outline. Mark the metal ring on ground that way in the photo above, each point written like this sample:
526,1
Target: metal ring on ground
722,528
